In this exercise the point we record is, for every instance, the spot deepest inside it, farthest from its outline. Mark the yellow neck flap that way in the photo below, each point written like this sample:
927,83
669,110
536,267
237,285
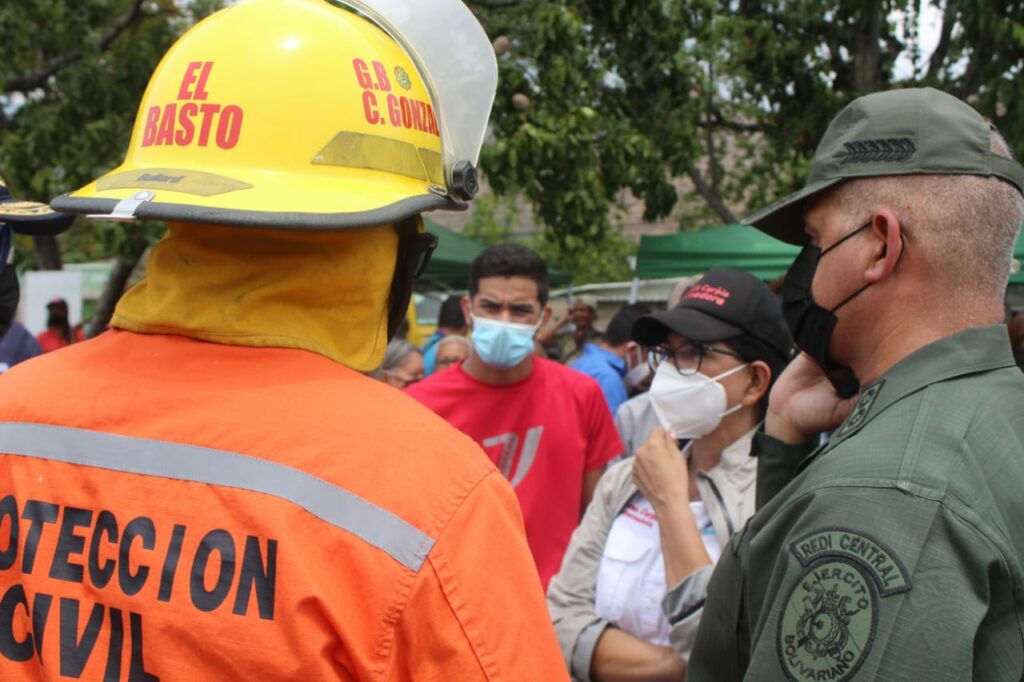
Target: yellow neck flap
325,292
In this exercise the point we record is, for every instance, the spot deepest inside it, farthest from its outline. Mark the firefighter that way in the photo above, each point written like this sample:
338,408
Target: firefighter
223,495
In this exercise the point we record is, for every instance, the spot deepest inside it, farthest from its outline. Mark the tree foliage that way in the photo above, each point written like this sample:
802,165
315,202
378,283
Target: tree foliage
72,77
599,96
605,258
596,99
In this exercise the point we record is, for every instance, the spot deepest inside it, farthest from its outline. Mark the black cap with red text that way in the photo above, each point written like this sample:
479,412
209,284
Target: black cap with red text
724,305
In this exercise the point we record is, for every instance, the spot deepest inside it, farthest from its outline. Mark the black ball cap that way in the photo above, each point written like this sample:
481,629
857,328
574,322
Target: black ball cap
722,305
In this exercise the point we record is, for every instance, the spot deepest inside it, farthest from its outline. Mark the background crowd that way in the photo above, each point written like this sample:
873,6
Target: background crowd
686,390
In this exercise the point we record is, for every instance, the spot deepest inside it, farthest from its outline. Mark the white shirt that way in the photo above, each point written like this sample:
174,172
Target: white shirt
631,576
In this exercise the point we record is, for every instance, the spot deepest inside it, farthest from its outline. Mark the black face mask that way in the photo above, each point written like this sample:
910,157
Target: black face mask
9,293
10,290
414,250
812,325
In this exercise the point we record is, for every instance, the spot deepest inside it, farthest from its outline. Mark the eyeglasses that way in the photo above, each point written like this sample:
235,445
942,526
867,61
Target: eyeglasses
402,381
445,362
687,358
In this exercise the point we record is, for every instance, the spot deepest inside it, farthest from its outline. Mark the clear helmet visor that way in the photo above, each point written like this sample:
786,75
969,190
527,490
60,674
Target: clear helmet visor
457,63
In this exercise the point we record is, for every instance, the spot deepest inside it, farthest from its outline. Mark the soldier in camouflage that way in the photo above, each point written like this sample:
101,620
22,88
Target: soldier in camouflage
894,551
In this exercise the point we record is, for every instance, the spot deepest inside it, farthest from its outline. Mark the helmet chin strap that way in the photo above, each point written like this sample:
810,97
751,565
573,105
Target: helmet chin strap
412,246
402,282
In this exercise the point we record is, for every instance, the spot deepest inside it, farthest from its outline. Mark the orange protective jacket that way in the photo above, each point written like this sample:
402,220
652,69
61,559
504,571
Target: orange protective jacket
172,509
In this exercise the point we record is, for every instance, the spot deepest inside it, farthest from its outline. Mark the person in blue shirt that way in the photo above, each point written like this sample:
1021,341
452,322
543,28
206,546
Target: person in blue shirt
17,345
609,359
450,321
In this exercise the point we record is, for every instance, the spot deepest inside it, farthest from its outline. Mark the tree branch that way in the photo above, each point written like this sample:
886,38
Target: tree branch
124,265
47,250
938,58
718,119
39,77
719,122
867,54
493,4
709,133
970,83
713,199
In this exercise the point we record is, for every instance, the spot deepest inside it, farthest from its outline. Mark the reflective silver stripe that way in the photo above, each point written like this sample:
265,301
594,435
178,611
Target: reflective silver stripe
404,542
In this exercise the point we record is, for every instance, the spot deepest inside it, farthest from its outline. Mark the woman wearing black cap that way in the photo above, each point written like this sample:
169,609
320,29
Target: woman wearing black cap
627,600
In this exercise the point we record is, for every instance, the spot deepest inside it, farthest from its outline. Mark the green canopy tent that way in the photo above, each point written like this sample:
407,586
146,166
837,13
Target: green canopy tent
449,266
735,246
727,246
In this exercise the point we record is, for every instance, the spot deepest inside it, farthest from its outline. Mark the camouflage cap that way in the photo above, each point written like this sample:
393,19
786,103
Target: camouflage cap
899,132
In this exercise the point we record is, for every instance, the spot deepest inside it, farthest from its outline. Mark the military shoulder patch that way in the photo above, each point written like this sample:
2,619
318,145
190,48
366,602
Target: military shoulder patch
828,621
861,410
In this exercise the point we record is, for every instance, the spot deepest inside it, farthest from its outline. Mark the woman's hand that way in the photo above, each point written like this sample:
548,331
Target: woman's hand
661,474
619,657
660,471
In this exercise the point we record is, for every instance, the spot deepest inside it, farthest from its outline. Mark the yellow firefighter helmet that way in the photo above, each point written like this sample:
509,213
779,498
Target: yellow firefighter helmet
307,114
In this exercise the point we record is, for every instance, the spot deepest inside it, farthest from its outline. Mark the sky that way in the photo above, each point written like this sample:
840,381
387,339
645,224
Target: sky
929,24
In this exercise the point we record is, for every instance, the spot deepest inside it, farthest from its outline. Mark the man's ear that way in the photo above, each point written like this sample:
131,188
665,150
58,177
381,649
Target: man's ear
761,379
466,306
889,243
633,352
545,315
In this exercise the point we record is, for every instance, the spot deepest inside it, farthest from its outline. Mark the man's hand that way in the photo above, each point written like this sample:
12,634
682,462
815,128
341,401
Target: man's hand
546,334
660,471
803,403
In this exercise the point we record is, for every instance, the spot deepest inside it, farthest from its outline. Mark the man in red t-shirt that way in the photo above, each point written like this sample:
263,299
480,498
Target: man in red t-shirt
545,426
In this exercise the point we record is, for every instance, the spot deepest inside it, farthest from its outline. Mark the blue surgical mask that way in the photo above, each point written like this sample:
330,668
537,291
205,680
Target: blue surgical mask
502,344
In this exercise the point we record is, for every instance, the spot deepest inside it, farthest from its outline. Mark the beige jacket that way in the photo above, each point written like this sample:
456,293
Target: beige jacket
727,492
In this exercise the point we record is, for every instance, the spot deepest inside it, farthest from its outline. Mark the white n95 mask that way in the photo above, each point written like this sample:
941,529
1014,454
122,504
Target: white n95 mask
690,406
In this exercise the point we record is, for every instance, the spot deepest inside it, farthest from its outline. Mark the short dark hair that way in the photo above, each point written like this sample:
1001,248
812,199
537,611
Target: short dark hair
509,260
620,327
450,315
